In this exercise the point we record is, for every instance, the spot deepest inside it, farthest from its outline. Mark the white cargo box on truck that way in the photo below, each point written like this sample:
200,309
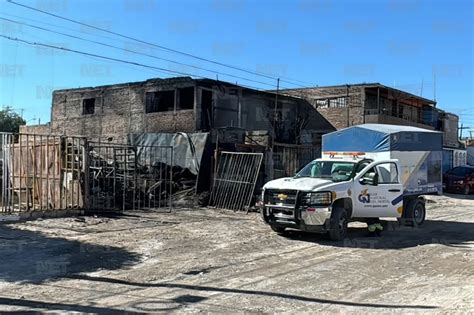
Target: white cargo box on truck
418,150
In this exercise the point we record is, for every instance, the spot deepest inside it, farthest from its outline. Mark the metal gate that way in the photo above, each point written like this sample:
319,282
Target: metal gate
125,177
234,181
41,172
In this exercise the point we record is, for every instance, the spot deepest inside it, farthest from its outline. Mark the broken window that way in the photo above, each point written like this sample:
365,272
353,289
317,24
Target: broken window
162,101
338,102
186,98
88,106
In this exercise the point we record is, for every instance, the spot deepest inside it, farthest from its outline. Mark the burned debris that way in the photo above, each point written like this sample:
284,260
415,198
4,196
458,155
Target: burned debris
128,126
44,172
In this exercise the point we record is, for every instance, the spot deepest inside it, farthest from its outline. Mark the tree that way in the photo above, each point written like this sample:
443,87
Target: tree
10,121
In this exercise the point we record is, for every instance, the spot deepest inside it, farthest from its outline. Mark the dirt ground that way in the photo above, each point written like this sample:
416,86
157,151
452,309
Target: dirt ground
204,260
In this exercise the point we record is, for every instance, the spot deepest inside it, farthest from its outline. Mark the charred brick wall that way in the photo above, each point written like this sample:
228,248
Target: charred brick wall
340,113
118,110
112,112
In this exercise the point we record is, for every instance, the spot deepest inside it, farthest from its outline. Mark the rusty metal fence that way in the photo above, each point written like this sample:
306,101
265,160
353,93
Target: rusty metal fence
234,181
41,172
53,172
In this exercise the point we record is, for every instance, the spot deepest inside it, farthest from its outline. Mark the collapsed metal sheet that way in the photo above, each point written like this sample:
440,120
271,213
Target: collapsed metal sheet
188,148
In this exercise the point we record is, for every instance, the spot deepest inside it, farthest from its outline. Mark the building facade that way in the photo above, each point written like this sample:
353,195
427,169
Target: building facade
347,105
182,104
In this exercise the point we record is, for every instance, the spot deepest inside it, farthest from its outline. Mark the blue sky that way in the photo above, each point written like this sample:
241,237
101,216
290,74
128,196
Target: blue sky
405,44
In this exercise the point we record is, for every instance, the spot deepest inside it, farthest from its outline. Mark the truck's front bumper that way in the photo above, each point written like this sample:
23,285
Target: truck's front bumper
304,219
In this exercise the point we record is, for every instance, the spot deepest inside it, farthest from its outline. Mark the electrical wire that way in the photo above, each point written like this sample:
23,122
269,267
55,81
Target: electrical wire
94,55
113,59
283,79
132,51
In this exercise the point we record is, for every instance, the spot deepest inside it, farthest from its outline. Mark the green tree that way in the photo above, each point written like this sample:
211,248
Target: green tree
10,121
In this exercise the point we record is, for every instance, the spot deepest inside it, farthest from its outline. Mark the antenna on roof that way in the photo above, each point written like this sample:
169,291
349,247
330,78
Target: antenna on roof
421,89
434,87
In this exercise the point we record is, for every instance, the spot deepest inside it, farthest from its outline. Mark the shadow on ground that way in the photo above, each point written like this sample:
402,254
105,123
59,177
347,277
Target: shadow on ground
447,233
212,289
28,256
32,304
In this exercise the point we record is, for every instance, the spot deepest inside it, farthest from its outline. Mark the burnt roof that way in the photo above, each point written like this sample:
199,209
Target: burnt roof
129,84
175,80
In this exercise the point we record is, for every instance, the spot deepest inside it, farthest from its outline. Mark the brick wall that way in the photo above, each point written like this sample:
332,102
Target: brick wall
341,117
35,129
118,111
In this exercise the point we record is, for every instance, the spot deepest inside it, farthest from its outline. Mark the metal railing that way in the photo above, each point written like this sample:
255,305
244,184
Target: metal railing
235,179
54,172
125,177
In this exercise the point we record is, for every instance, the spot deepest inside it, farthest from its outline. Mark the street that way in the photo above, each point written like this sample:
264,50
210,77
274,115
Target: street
207,260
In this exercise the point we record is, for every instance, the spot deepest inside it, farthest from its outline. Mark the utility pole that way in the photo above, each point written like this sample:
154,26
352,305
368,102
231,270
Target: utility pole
461,129
276,106
276,96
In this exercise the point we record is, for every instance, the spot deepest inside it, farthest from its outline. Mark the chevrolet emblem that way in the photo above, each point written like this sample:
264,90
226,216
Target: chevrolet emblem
282,197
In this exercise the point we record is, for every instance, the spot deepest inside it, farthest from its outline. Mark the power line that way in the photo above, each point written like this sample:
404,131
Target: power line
61,27
135,52
287,80
94,55
110,58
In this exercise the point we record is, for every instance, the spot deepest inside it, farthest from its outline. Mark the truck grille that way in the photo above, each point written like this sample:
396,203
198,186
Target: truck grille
280,197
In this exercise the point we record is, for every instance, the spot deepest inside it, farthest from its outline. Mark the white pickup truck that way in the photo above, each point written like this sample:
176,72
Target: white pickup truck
344,185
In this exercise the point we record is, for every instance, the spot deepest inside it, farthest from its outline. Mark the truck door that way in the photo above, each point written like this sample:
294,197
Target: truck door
378,191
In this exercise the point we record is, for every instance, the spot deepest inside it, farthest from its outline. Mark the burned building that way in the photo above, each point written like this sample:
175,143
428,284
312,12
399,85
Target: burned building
182,104
209,115
347,105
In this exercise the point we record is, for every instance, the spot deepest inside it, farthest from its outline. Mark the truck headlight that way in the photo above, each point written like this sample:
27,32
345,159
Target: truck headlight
317,198
459,182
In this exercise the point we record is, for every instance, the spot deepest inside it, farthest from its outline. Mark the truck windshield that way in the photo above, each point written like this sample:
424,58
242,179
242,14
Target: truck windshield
334,170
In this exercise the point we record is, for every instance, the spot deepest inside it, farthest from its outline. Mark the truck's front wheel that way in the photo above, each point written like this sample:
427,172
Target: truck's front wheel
415,213
338,224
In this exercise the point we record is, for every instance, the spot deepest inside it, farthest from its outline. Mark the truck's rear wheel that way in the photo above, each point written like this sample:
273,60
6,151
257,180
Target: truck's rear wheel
278,229
415,213
338,224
